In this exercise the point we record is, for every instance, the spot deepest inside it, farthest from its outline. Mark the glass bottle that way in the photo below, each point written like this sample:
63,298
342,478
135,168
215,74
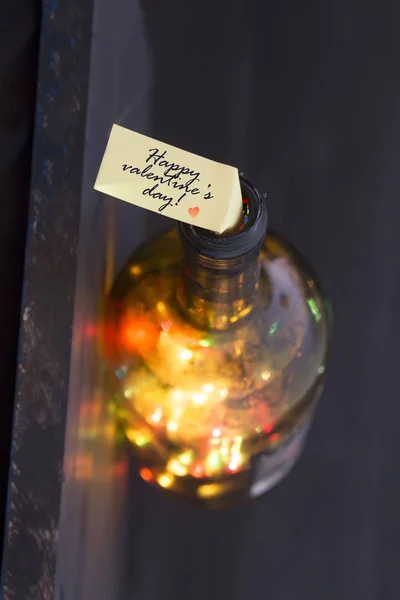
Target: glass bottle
216,347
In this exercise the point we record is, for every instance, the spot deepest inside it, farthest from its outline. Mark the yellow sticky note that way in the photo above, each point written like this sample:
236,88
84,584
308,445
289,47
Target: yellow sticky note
172,182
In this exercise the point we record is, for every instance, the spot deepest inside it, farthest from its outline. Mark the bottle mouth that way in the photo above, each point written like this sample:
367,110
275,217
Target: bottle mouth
243,240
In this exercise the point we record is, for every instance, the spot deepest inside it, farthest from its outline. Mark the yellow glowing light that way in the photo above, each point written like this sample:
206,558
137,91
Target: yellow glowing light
136,270
172,426
214,460
175,467
160,306
216,432
186,354
266,375
223,393
128,393
258,429
205,343
233,466
209,490
156,416
178,395
208,388
165,480
136,438
186,457
199,398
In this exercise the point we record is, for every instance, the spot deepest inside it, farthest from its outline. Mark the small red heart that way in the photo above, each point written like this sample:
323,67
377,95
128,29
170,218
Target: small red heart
193,212
166,325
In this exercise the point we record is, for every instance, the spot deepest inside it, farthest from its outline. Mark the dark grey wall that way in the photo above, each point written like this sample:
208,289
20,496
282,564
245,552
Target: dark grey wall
304,97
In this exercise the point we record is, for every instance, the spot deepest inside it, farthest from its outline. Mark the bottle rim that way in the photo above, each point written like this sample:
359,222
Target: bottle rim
244,242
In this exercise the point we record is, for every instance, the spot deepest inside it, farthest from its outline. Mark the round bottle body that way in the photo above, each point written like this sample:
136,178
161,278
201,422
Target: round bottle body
216,413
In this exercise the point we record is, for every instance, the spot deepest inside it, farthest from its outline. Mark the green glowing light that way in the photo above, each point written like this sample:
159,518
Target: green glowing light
314,309
206,343
273,328
214,460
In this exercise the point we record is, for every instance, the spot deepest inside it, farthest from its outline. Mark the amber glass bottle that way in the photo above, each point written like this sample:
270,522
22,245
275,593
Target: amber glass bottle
216,346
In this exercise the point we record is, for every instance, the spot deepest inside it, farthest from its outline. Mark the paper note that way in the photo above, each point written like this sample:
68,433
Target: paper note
172,182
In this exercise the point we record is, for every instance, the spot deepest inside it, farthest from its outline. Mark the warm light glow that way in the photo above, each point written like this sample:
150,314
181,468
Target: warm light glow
156,416
146,474
186,354
216,432
266,375
223,393
160,306
172,426
208,387
213,460
186,457
175,467
136,438
128,393
199,398
198,470
136,270
209,490
178,395
205,343
233,466
165,480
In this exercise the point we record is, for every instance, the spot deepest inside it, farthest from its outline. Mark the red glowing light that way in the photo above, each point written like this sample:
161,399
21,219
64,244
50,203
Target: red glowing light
274,438
137,333
146,474
198,470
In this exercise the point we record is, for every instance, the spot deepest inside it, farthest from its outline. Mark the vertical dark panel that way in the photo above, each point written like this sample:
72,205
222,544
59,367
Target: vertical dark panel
50,271
19,34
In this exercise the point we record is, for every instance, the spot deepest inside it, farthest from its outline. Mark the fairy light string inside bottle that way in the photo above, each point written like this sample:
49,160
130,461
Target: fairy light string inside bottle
216,357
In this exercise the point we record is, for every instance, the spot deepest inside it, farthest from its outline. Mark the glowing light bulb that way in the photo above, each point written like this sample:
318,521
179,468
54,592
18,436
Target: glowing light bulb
178,395
208,387
175,467
223,393
165,480
136,270
137,438
265,376
156,416
186,458
128,393
186,354
199,398
216,432
172,426
146,474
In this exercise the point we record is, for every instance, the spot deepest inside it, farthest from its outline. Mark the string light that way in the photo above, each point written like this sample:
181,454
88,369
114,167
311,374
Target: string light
175,467
199,398
208,387
186,354
165,480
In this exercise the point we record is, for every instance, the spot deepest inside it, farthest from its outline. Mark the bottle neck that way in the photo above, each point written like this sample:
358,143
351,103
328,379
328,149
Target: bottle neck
220,275
220,293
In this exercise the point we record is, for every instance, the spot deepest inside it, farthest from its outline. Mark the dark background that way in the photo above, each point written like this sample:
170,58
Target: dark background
304,97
